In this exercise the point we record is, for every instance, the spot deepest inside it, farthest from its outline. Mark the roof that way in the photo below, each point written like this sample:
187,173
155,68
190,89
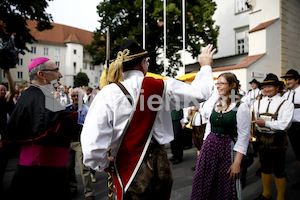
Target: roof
60,34
246,62
263,25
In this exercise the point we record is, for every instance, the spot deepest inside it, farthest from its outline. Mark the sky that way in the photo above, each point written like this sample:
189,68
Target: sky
76,13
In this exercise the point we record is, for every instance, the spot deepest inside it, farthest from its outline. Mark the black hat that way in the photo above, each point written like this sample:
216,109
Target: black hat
271,79
291,74
135,50
254,81
129,51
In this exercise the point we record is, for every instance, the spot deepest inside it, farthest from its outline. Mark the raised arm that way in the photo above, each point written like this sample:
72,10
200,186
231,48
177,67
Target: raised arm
11,87
206,57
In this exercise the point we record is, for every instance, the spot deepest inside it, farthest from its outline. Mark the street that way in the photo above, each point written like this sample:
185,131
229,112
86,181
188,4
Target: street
183,179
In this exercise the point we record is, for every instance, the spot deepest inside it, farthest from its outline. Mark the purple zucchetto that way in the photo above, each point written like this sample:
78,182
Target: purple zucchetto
37,61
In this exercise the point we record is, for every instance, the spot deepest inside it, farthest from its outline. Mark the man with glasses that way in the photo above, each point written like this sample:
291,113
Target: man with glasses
77,95
44,130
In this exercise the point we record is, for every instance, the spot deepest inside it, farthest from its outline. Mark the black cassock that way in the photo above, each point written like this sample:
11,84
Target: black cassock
33,125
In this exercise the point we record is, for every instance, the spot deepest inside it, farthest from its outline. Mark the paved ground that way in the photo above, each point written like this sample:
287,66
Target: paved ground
183,179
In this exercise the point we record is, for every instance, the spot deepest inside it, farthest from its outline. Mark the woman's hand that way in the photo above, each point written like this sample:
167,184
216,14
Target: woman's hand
234,171
235,168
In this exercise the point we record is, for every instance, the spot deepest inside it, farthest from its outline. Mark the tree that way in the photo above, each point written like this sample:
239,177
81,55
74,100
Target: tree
81,79
124,17
13,16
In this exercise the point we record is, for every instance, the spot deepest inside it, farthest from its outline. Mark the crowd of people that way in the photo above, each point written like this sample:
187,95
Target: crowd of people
44,122
123,130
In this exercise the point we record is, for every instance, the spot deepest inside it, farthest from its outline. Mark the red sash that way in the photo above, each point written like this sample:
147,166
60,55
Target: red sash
136,137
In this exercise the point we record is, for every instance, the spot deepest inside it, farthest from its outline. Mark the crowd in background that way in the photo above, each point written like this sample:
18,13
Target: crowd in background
184,137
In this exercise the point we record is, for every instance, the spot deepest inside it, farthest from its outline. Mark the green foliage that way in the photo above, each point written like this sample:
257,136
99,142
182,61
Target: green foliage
13,16
124,17
81,79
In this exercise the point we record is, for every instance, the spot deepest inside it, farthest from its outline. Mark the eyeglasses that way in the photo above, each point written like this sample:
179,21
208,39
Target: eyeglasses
53,70
75,95
217,84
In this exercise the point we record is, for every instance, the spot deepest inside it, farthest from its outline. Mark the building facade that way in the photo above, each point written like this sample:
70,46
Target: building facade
64,45
256,37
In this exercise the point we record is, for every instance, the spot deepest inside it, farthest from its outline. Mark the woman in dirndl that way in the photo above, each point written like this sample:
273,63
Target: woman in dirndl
225,143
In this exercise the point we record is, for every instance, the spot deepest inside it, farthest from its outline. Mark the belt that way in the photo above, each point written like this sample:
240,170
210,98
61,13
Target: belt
296,123
32,155
296,105
271,132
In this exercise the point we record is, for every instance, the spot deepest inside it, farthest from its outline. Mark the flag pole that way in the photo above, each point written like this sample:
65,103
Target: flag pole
109,178
183,34
107,47
144,25
165,38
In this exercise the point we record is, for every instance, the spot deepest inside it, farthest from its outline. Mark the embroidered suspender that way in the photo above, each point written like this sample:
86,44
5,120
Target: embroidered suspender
125,91
275,115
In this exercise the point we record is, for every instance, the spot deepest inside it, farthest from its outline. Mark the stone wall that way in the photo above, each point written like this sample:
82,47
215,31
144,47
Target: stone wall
290,35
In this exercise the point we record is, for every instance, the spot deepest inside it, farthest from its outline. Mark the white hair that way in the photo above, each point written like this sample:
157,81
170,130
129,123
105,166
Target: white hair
3,86
79,90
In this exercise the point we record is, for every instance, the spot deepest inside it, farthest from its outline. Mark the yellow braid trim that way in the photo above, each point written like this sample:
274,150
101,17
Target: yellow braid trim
103,79
116,68
270,81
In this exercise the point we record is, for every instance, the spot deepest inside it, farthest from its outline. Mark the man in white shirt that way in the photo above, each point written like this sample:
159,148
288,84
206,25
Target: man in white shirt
273,118
63,95
89,96
111,110
253,93
293,95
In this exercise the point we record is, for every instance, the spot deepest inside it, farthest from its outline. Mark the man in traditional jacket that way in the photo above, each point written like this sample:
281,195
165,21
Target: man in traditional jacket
292,78
273,116
39,124
122,118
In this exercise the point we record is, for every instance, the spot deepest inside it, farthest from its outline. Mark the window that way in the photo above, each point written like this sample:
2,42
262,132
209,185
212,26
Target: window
92,67
96,79
57,63
33,50
20,63
240,6
84,65
57,52
46,50
19,75
74,67
242,45
3,74
75,51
